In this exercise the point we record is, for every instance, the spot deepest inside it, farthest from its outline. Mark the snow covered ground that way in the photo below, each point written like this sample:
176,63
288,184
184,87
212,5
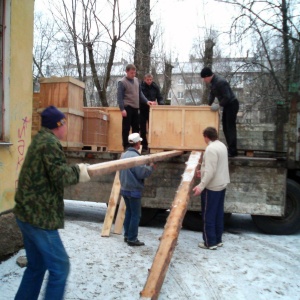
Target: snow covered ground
251,265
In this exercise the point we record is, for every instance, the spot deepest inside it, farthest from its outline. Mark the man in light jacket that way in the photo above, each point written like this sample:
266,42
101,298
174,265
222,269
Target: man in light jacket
214,176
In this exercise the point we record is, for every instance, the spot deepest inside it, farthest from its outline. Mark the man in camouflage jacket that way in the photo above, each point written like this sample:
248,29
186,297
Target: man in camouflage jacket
39,207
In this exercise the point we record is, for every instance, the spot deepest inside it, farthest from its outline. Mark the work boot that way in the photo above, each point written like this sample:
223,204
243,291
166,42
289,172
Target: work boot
135,243
203,246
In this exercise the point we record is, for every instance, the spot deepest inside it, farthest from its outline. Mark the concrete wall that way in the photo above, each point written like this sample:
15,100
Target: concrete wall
17,95
17,74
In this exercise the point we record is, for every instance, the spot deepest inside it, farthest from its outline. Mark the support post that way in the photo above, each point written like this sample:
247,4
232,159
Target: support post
111,208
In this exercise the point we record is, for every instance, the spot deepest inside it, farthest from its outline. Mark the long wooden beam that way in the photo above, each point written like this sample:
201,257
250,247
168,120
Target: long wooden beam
173,225
116,165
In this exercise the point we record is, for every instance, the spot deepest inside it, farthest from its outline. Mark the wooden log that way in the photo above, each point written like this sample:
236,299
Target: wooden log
116,165
111,208
170,235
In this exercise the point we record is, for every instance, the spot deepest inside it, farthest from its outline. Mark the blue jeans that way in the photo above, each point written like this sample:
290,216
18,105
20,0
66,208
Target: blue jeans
44,251
212,206
132,217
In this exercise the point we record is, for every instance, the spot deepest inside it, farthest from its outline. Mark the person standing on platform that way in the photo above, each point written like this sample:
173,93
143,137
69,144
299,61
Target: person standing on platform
152,92
129,97
221,89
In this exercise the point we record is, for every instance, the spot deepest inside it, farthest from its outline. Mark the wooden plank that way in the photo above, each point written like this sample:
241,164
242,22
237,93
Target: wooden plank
118,228
170,235
112,204
116,165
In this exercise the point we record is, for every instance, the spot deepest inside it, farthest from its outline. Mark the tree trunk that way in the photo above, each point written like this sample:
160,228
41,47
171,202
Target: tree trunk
103,95
143,45
208,62
167,81
94,74
282,109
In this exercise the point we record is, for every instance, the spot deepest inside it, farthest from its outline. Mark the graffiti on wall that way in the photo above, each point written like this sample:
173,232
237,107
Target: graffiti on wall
21,147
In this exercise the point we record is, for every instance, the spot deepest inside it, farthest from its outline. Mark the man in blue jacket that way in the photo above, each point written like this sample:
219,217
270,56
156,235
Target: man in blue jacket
132,185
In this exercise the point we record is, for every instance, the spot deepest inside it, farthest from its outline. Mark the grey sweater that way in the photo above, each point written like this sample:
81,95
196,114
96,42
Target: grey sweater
130,93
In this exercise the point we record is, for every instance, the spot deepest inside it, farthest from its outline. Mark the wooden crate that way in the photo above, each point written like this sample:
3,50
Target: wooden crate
180,127
95,128
73,138
62,92
114,135
115,130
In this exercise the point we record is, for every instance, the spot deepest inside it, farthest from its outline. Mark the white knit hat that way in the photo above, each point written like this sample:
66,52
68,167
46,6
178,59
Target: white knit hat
134,138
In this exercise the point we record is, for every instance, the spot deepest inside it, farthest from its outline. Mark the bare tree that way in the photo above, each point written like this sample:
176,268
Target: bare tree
44,48
273,23
87,26
143,43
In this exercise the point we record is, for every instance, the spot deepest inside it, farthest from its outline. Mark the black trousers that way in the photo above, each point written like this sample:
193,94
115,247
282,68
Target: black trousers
131,121
144,120
229,126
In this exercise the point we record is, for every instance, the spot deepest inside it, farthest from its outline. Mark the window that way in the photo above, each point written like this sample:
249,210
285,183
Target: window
169,95
180,95
180,81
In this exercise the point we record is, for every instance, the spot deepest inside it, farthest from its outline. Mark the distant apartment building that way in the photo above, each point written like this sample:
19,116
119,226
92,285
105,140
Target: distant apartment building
187,87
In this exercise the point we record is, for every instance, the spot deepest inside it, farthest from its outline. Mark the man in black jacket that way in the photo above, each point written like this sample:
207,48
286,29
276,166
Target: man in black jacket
152,92
221,89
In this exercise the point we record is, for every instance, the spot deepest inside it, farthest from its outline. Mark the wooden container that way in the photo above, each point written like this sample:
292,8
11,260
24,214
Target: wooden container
73,138
62,92
114,135
180,127
66,93
95,128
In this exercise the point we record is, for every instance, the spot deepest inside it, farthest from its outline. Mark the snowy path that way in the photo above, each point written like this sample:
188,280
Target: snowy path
251,265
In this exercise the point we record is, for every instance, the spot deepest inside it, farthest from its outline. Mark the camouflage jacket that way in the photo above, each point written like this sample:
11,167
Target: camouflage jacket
44,174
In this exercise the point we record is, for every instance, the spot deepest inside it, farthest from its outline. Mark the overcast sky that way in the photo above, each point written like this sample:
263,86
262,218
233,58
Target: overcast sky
182,21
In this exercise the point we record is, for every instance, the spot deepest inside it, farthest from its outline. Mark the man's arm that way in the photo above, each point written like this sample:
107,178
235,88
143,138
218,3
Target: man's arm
142,97
160,99
120,95
225,92
211,98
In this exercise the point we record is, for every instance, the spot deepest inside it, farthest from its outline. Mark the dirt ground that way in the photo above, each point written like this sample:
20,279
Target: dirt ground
251,265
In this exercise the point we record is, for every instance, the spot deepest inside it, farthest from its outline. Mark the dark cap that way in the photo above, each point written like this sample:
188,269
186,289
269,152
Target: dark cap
206,72
52,117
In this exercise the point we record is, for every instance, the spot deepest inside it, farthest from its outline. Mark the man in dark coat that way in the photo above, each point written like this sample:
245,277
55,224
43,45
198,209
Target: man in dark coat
152,92
221,89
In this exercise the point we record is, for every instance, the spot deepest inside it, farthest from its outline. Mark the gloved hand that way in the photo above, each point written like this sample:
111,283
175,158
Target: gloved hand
84,175
215,107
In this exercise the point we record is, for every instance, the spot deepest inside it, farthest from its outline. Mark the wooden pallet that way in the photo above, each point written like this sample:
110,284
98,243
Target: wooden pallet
95,148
